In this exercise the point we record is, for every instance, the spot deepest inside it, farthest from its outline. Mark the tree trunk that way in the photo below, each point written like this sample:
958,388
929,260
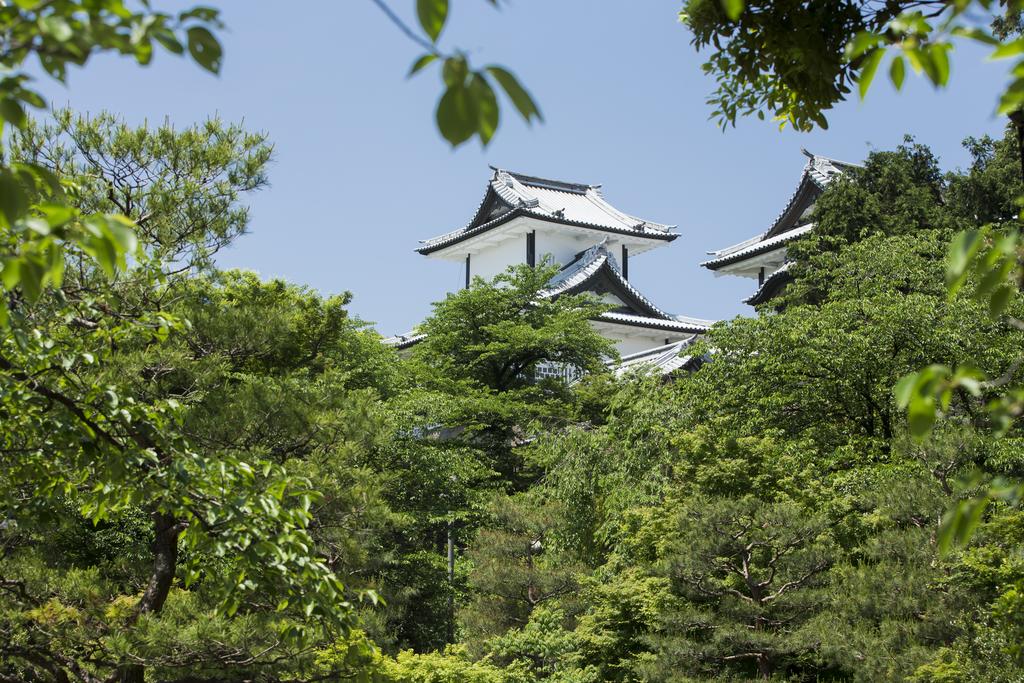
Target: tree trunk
764,666
1017,119
165,563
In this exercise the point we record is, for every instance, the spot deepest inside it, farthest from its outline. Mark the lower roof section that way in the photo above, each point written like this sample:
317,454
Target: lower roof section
753,247
403,341
671,324
772,285
662,360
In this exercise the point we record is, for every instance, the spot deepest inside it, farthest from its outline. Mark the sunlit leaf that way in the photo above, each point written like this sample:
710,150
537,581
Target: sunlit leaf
432,15
868,69
861,43
940,63
897,71
420,63
733,8
904,389
962,251
56,26
975,33
1010,49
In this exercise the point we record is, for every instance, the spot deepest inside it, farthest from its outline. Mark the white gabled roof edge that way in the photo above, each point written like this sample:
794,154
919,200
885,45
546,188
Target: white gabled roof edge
761,247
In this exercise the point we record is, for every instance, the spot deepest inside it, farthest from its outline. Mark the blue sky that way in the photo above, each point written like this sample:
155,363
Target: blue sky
360,173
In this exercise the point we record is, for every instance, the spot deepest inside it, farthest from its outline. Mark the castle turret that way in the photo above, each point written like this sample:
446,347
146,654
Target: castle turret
522,219
763,256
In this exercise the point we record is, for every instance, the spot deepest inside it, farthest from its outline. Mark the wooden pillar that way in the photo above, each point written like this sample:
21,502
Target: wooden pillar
625,262
467,271
531,248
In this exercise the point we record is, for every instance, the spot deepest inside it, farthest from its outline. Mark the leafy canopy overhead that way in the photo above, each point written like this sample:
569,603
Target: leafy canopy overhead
793,61
37,217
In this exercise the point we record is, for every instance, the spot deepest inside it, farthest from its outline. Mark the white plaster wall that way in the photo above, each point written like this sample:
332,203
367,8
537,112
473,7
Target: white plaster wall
496,258
562,246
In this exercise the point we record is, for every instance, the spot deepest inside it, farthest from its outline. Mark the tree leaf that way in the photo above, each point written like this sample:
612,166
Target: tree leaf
487,106
733,8
457,116
959,523
962,251
868,69
10,273
57,27
167,38
32,279
204,48
12,111
905,388
975,33
897,71
1000,300
519,96
423,61
432,15
861,43
1011,49
13,203
937,64
921,416
454,71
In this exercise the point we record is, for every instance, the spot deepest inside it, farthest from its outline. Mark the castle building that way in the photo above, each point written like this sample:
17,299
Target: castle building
763,257
522,219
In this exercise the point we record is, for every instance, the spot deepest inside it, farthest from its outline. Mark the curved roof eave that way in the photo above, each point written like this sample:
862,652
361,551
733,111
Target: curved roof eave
758,248
445,241
771,286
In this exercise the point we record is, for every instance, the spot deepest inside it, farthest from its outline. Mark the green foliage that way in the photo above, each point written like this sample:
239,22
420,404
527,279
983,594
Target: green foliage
749,574
211,477
180,430
496,333
517,566
794,61
38,220
771,513
477,371
451,667
784,60
468,106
